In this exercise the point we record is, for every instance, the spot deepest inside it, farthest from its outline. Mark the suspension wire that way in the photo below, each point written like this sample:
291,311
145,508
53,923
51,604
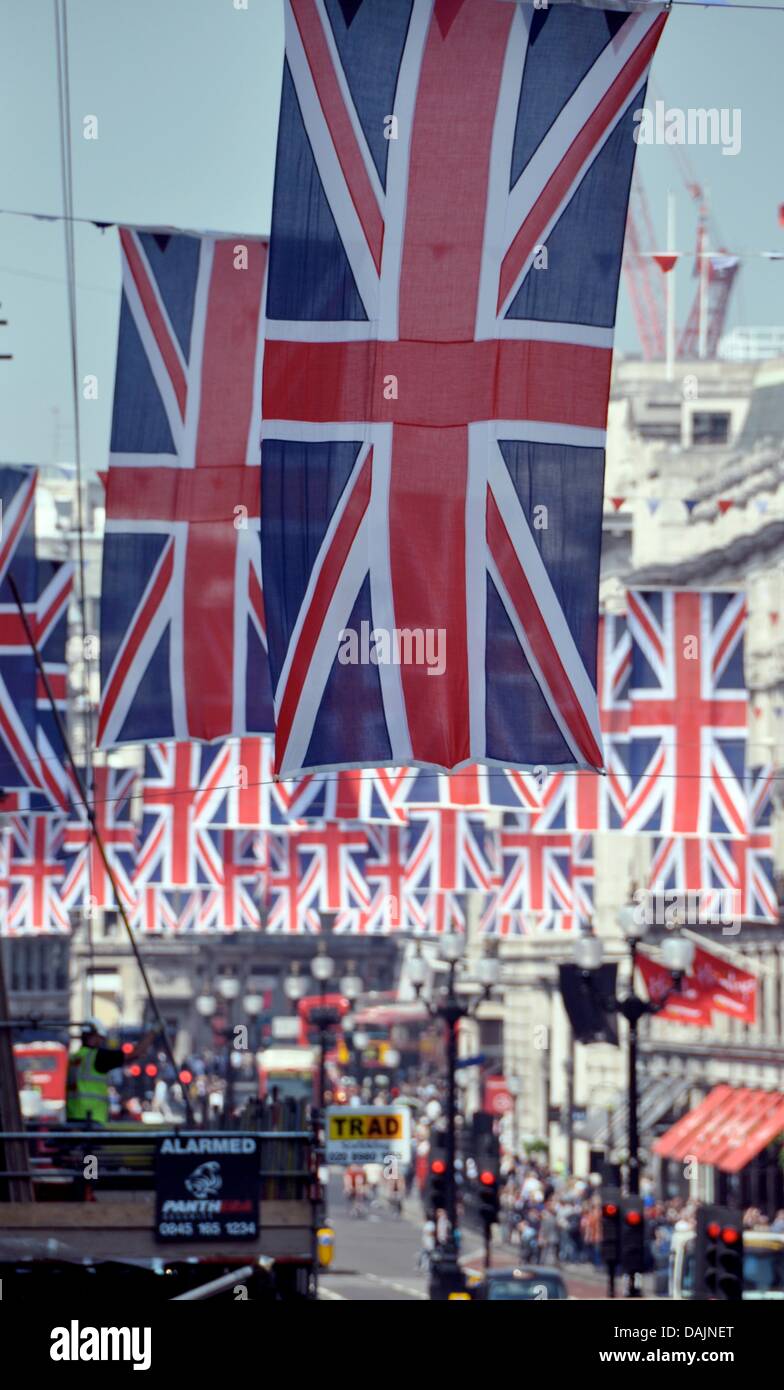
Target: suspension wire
66,179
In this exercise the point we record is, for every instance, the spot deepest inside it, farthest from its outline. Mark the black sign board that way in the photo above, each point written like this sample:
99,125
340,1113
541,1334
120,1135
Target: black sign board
207,1188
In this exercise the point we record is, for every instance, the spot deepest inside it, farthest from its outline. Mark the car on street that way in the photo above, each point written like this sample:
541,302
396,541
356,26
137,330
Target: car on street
532,1282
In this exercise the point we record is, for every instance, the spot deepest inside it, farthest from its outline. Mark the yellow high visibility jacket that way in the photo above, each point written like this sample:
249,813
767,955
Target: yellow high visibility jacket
87,1096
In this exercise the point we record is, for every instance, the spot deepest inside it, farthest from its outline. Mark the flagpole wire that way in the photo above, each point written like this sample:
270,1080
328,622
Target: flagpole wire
96,833
66,179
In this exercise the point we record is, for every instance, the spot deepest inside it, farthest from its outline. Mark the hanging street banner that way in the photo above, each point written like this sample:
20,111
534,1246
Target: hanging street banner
372,1134
207,1188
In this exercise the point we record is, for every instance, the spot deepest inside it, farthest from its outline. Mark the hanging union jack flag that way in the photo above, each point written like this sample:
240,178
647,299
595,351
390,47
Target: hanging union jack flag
688,715
55,589
586,801
183,636
705,869
434,400
183,784
35,875
86,879
448,851
18,756
229,902
291,896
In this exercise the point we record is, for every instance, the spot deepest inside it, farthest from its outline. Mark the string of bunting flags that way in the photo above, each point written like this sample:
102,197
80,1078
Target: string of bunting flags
202,837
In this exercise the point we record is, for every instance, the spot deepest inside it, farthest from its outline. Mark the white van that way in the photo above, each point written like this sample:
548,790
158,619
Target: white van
763,1265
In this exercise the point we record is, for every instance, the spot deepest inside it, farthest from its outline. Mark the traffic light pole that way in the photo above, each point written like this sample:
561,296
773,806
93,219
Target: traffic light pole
451,1110
633,1174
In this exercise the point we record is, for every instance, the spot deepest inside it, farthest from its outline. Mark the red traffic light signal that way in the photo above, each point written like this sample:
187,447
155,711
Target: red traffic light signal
186,1076
609,1209
730,1235
713,1229
633,1217
135,1070
487,1178
438,1167
126,1048
151,1069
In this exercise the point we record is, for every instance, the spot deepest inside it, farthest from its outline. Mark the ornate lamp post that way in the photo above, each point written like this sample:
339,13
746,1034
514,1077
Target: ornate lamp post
446,1004
677,956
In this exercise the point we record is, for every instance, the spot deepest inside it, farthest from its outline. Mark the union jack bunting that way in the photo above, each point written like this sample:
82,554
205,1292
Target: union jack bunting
429,396
166,912
55,589
35,874
370,796
536,873
86,880
688,713
583,874
517,923
760,783
448,851
229,903
18,758
291,897
385,874
756,880
183,639
253,799
340,852
586,801
706,868
474,789
436,914
382,916
183,784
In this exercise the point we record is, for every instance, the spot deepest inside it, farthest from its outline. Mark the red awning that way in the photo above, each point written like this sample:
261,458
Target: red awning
727,1129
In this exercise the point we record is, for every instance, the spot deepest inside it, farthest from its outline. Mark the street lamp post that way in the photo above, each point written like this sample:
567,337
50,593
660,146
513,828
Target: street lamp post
206,1005
677,956
451,1008
228,989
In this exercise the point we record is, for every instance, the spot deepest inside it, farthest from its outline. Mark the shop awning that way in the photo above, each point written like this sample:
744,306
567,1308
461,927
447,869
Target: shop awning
727,1129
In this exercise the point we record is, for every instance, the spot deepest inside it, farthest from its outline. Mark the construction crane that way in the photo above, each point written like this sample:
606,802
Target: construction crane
716,272
641,280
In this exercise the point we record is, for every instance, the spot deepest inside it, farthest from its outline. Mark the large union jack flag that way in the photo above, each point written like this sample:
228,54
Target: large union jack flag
183,638
688,716
434,400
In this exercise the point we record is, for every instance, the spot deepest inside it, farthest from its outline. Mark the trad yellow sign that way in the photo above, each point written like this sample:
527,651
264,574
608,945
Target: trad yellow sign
371,1134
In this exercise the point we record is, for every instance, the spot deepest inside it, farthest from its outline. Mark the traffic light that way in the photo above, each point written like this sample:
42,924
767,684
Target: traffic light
719,1254
436,1172
632,1235
488,1196
611,1226
487,1157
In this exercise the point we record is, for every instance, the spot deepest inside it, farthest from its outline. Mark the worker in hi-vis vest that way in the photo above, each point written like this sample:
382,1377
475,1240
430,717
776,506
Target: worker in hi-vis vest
87,1094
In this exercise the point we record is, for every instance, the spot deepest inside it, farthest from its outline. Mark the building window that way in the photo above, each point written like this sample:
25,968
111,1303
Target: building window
710,427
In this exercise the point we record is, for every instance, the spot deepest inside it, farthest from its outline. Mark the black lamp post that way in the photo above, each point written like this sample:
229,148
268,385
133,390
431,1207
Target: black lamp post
451,1007
677,957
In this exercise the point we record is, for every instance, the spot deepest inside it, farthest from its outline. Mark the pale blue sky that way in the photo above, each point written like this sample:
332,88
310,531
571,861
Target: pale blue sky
186,94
